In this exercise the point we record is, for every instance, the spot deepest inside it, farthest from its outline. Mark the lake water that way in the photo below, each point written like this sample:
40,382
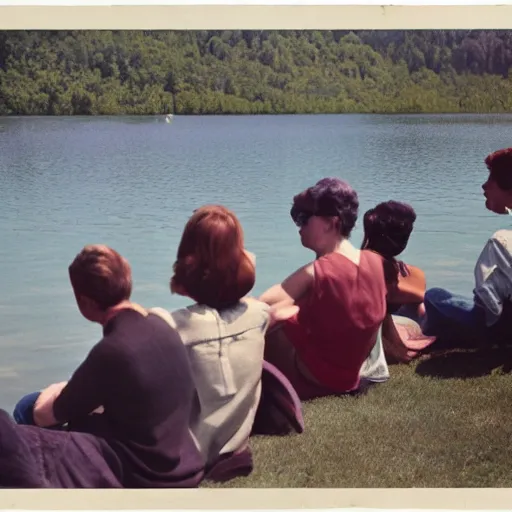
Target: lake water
133,182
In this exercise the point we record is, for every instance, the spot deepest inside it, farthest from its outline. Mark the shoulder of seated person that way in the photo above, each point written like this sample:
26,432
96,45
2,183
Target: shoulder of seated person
254,301
504,237
375,258
373,254
415,270
257,304
309,268
164,314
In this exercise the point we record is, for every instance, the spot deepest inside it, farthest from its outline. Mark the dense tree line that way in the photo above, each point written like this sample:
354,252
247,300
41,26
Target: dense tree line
253,72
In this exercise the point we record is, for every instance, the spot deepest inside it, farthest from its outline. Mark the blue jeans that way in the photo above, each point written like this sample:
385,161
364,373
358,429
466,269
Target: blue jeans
24,411
449,315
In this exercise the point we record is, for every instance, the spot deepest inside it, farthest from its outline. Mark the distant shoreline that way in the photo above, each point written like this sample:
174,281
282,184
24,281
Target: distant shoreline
262,72
476,113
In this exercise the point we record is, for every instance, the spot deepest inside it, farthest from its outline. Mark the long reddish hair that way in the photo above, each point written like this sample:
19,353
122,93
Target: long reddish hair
212,266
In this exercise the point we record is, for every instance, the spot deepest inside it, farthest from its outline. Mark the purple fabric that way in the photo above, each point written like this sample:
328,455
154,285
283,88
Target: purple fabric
140,373
32,457
280,409
17,464
41,458
231,465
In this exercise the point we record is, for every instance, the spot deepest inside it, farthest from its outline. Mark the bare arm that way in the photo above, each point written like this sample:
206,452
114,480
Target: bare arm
43,408
277,313
409,289
81,396
276,295
292,289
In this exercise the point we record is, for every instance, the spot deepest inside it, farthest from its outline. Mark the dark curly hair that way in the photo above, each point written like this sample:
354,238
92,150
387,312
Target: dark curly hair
387,228
330,197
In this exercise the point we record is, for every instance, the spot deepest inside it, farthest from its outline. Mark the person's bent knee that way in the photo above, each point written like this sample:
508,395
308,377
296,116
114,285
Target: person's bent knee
436,294
23,413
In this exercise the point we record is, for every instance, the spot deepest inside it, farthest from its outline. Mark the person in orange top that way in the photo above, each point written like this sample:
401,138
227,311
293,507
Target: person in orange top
333,307
387,229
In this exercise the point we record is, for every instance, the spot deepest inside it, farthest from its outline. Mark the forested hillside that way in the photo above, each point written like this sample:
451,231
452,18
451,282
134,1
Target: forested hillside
253,72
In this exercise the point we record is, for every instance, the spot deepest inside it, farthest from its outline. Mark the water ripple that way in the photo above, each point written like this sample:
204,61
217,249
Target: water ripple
133,182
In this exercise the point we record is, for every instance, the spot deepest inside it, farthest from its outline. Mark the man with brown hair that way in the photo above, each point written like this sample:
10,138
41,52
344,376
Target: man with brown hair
102,283
138,375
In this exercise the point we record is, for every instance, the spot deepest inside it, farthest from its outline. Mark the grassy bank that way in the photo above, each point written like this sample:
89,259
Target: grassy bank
442,421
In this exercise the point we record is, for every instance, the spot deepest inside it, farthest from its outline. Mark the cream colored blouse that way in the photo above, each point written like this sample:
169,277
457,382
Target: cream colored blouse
226,353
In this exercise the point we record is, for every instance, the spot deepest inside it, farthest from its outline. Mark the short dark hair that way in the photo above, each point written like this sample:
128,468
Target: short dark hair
499,164
212,266
101,274
329,197
387,228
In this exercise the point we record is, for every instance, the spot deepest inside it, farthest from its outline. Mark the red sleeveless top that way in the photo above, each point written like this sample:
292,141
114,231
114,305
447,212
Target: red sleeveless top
337,325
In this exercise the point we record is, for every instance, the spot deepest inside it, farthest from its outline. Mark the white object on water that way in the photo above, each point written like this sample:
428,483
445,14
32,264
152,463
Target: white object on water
169,118
509,211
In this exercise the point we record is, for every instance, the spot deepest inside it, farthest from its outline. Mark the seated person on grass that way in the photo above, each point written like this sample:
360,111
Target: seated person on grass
485,317
387,229
139,377
341,297
224,334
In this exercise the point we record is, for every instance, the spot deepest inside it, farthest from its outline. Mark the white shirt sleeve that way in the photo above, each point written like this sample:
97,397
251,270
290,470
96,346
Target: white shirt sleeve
493,275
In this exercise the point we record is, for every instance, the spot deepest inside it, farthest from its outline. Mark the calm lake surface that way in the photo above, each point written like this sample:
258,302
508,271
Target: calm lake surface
133,182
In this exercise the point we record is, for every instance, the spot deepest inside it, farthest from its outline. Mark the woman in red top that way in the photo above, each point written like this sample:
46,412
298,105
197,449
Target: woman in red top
331,309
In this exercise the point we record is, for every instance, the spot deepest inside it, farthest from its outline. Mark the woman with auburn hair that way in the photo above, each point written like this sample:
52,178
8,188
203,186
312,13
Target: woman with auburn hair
487,315
387,229
212,266
112,423
224,332
341,297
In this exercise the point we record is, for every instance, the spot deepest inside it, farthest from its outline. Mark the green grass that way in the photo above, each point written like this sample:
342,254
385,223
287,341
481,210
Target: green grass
443,421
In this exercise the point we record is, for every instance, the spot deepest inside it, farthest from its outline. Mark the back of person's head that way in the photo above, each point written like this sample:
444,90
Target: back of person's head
102,275
329,197
212,266
499,164
387,228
